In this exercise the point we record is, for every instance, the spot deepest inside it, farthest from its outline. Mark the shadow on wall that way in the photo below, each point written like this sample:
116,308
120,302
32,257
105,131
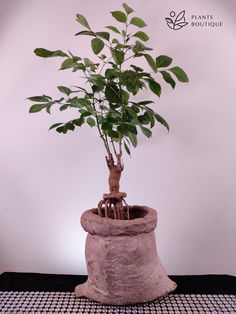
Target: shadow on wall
7,11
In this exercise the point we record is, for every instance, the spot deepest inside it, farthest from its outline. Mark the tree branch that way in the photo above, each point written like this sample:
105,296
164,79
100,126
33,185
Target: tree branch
97,122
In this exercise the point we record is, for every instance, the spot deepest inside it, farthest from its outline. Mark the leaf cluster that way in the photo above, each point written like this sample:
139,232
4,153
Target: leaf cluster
106,101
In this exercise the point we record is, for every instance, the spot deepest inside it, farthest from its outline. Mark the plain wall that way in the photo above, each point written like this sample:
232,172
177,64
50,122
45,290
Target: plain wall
47,180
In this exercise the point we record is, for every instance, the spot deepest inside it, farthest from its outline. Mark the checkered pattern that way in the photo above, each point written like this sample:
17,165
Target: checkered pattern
66,302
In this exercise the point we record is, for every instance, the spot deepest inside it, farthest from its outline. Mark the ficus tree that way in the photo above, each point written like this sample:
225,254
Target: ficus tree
106,99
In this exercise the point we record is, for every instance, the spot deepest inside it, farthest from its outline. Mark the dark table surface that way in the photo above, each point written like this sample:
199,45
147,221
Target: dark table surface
195,284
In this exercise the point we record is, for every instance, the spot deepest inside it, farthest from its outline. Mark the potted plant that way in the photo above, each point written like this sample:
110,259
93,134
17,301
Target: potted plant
122,261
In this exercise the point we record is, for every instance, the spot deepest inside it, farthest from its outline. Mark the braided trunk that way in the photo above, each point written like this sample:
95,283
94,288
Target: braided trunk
112,203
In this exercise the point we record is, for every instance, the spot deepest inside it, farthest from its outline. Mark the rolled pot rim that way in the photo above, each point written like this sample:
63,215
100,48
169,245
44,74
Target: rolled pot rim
104,226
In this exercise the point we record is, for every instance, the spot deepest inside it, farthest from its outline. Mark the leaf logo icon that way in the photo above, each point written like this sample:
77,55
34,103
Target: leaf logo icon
176,22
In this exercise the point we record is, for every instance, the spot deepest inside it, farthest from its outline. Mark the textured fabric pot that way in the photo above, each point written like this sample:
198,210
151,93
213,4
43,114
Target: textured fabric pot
122,261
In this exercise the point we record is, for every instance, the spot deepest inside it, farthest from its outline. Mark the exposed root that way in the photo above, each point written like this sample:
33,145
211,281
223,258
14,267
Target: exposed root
111,206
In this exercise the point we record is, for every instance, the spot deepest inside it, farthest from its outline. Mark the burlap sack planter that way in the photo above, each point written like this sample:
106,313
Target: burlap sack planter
122,261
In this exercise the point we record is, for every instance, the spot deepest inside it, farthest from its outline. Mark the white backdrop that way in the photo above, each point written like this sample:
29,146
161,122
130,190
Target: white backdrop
47,180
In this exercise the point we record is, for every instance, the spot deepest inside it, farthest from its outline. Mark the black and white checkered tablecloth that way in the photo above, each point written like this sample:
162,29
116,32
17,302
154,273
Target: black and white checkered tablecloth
38,300
66,302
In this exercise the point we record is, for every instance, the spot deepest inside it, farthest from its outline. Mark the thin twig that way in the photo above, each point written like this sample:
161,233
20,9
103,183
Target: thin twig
114,149
104,63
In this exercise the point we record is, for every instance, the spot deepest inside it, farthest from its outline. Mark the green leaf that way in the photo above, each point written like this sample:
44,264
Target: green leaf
69,126
137,69
138,22
76,104
97,45
161,120
112,93
115,41
145,102
133,129
97,88
139,47
136,108
87,33
102,57
85,113
98,77
97,80
48,108
111,73
114,116
167,77
104,35
119,16
163,61
132,114
141,35
113,28
155,87
128,9
146,131
64,90
123,128
40,98
113,134
118,56
55,125
127,148
75,58
125,97
133,138
180,74
143,119
44,53
106,125
150,115
61,129
68,63
37,107
91,122
151,62
79,102
82,20
78,122
64,107
88,62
